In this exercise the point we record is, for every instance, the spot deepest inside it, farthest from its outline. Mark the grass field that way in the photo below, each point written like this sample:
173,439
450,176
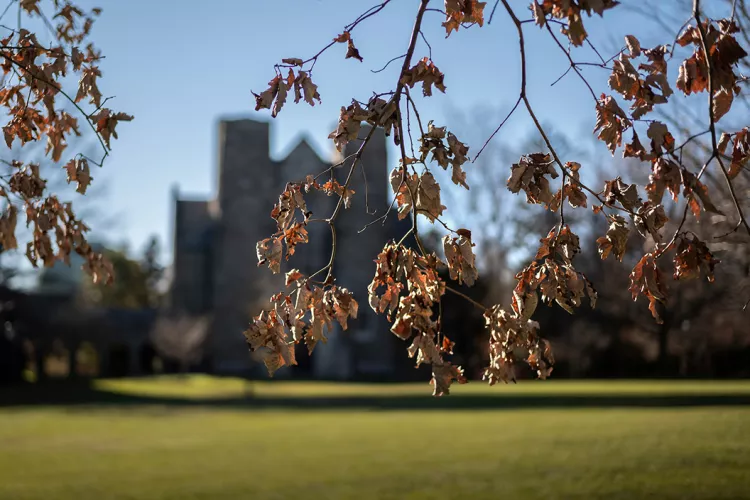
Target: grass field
202,438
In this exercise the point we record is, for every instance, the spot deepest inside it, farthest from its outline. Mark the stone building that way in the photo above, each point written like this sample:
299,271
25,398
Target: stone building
215,271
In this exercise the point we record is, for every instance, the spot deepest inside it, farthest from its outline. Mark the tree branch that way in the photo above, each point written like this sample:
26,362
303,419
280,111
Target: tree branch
712,121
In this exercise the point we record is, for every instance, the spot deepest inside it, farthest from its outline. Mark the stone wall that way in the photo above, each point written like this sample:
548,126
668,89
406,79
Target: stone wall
193,252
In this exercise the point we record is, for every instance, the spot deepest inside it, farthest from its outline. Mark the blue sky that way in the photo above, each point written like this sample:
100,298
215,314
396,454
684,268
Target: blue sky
180,66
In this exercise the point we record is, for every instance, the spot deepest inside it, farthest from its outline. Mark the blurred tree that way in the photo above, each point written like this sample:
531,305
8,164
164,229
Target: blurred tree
153,270
138,281
180,339
129,291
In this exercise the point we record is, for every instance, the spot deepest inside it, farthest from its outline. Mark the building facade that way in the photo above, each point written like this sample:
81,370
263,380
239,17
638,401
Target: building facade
215,271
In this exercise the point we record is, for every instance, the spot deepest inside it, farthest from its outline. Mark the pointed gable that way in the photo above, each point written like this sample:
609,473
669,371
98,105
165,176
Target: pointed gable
302,160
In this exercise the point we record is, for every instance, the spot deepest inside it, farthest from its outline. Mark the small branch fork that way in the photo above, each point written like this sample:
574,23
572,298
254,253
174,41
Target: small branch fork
62,92
357,157
404,133
523,97
712,121
349,27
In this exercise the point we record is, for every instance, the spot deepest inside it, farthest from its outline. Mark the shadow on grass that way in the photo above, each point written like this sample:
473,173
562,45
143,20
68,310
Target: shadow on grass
85,395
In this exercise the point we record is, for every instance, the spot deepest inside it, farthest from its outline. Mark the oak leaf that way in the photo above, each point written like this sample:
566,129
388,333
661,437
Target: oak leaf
529,175
304,87
269,252
740,152
425,72
443,376
460,257
618,191
722,103
633,45
458,12
428,197
692,258
615,240
294,61
649,219
646,279
611,122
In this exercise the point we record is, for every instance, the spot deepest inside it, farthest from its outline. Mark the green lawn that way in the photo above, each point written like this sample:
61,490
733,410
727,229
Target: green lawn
198,438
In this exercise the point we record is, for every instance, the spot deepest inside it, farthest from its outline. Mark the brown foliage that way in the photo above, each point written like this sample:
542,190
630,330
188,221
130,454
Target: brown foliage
34,79
407,287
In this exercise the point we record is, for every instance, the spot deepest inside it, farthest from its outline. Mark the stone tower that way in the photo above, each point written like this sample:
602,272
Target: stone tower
215,269
247,179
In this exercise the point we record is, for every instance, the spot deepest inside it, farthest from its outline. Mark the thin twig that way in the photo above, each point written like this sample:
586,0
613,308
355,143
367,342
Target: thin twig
349,27
7,8
512,110
386,64
358,155
476,304
588,42
561,76
492,14
429,47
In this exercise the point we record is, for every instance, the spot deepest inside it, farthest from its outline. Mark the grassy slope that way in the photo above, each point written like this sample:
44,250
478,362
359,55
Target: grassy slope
162,451
203,386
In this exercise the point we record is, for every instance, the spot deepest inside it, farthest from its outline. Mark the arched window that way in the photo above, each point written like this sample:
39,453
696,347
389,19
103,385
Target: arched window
87,360
30,373
57,361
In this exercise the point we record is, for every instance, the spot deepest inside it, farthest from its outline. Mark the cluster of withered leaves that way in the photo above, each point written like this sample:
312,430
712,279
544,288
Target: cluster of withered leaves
454,154
56,231
515,337
693,258
416,192
528,175
645,92
332,187
77,170
648,85
460,258
571,11
351,50
289,230
648,217
723,51
33,78
274,97
425,72
462,12
552,274
616,239
407,288
646,279
377,112
305,314
611,122
572,190
668,175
